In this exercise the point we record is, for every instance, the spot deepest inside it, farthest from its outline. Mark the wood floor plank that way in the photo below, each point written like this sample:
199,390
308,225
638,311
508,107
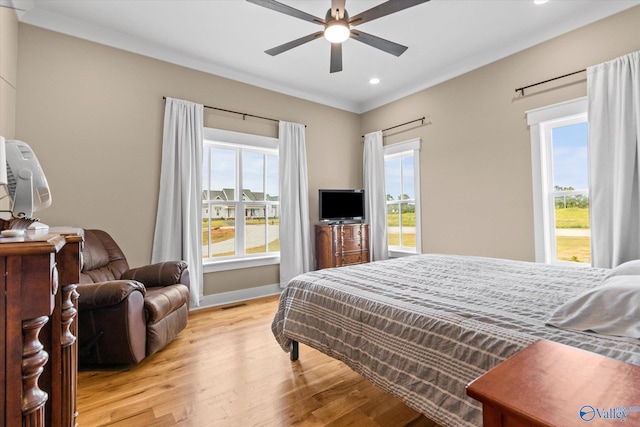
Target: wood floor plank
226,369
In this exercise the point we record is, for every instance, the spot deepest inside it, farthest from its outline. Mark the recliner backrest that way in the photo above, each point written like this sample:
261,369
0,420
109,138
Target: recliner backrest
102,258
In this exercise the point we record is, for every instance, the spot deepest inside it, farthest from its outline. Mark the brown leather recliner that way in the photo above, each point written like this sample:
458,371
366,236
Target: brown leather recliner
127,314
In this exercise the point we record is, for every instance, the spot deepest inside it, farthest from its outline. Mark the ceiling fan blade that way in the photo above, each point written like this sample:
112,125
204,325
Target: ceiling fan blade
383,9
294,43
336,58
337,5
288,10
379,43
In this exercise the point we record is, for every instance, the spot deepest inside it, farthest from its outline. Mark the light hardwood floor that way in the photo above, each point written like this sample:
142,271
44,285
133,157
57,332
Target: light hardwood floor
226,369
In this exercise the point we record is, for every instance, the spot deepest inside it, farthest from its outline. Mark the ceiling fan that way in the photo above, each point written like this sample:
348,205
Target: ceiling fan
337,27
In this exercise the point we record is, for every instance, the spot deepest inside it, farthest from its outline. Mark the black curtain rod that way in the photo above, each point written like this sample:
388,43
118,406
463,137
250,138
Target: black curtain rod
521,89
244,115
422,119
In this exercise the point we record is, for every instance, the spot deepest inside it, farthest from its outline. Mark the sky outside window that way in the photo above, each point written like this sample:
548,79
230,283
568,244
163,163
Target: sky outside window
223,169
570,161
400,177
253,172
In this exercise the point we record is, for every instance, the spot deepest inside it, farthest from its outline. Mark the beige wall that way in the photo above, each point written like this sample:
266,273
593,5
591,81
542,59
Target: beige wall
93,115
476,159
8,71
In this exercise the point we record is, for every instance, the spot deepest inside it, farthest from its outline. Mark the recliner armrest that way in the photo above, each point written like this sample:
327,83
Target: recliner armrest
160,274
106,294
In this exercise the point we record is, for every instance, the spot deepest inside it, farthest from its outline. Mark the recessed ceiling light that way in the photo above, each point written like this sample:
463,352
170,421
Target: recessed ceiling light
540,1
374,81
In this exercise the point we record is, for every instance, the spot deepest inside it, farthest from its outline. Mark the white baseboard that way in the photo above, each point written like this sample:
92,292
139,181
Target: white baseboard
238,296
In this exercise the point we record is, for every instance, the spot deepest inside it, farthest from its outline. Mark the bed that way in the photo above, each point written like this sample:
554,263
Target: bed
423,327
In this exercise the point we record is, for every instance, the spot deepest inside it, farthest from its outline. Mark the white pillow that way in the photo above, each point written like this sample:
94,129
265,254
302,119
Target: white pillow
626,269
613,308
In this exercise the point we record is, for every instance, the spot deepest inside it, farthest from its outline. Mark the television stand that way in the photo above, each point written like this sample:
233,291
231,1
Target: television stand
343,244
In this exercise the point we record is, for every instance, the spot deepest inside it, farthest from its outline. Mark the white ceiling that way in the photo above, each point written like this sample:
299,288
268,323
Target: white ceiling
228,38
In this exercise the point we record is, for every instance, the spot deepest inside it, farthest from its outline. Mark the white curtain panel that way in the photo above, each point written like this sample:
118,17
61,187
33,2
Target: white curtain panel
375,194
295,241
613,90
178,234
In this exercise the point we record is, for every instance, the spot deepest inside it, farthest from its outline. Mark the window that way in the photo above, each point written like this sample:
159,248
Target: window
559,138
402,179
240,200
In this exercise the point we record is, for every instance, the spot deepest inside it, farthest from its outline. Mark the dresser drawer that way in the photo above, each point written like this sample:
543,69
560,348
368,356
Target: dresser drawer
350,231
349,245
355,258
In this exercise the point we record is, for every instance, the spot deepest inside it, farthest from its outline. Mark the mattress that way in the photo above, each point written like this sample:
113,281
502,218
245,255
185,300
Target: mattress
423,327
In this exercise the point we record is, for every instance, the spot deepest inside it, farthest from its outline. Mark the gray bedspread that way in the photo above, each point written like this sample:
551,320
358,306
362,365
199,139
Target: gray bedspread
423,327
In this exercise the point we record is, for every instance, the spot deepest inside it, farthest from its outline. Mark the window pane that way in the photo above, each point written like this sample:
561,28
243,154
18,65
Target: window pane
272,179
408,191
223,235
255,230
223,174
570,167
573,234
393,173
408,216
273,211
206,211
253,176
206,171
570,173
393,224
273,230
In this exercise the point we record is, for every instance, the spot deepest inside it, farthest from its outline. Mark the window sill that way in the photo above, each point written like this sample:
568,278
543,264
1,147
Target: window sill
236,264
571,264
397,253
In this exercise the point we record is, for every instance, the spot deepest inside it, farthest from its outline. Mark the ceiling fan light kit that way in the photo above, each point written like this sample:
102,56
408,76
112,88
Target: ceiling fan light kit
337,31
337,27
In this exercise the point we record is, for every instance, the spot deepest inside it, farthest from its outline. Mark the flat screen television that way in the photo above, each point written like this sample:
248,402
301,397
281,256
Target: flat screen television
341,205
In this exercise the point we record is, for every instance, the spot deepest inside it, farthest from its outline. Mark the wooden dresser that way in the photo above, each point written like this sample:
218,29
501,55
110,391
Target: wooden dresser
341,244
39,306
550,384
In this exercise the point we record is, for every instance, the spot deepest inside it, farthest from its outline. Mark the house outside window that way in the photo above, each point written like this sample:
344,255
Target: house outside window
240,200
559,152
402,180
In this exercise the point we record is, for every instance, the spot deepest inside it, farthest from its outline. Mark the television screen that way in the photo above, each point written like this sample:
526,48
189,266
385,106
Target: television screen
341,205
